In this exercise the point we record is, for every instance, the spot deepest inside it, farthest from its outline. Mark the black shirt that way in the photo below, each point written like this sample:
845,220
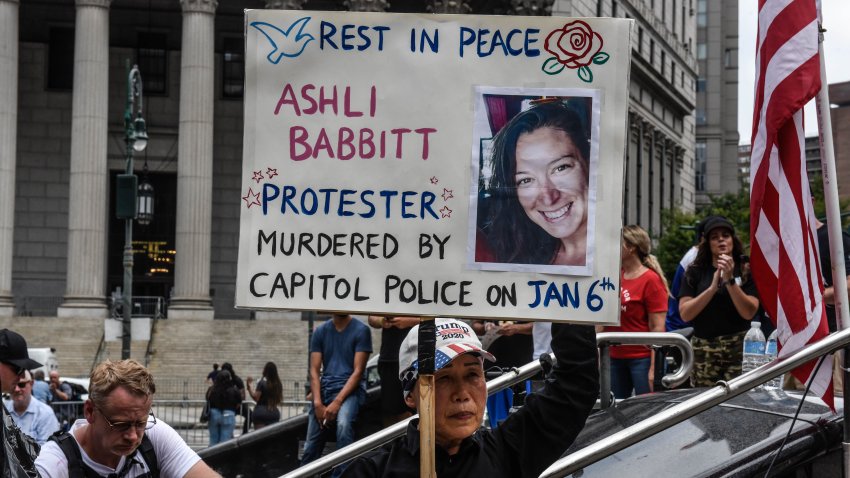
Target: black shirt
826,267
512,350
391,339
528,441
719,317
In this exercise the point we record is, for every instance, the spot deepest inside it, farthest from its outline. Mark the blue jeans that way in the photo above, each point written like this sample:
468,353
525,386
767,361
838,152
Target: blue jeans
315,442
221,425
628,374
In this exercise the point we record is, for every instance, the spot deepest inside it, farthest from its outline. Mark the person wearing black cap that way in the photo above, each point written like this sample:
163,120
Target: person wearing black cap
14,359
719,302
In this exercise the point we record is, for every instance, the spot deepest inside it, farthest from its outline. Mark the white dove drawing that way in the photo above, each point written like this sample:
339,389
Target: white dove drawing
285,43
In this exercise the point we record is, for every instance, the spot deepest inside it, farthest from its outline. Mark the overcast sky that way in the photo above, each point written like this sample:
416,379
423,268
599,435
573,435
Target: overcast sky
836,20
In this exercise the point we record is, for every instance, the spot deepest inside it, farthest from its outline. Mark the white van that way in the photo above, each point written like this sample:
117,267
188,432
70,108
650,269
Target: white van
46,357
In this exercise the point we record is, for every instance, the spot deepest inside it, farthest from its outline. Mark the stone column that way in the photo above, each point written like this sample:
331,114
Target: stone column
89,191
8,144
195,163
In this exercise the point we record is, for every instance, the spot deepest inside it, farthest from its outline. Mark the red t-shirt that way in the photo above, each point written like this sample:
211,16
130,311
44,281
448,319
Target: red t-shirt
638,298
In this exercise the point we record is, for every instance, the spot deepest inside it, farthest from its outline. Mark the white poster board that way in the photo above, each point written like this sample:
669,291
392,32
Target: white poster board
415,164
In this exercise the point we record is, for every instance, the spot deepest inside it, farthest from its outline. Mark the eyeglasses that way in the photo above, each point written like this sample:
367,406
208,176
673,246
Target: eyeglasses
22,384
17,368
123,427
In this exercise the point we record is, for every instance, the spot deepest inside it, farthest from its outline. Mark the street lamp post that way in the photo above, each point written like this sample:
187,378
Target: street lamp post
136,139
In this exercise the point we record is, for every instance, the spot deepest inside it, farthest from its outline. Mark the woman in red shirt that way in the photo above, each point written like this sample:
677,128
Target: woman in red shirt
643,306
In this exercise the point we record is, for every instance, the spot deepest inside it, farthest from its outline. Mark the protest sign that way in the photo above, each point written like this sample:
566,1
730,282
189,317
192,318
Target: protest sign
417,164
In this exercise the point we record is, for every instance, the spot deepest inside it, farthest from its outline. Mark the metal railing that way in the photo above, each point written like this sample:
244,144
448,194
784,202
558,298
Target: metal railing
605,339
143,306
720,393
182,415
504,381
37,306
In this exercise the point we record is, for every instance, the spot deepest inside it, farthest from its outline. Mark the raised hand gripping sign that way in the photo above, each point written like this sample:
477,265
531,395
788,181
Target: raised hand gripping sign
433,164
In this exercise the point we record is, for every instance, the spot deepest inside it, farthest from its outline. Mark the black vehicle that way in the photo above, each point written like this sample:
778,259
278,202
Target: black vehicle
737,438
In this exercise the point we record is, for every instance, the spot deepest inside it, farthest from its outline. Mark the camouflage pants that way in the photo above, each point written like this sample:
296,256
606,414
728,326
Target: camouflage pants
716,359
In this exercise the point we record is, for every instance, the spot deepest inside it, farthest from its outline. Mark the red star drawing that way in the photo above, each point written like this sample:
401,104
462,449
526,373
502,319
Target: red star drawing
251,198
271,172
258,176
447,194
445,211
434,180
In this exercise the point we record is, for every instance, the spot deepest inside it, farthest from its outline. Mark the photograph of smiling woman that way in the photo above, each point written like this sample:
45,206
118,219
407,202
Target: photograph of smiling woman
534,208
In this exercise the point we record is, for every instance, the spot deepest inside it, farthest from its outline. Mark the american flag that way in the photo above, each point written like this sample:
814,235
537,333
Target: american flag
784,257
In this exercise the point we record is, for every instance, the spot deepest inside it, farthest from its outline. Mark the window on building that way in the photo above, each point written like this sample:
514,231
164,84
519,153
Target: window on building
152,58
614,9
729,58
233,81
683,21
60,58
701,51
701,119
663,62
700,167
701,83
673,20
651,52
673,73
640,39
702,13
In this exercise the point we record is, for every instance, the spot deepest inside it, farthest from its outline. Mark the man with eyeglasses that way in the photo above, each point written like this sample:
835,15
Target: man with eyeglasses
33,417
119,436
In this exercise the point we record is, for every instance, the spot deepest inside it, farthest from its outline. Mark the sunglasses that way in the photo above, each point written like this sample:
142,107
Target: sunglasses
22,384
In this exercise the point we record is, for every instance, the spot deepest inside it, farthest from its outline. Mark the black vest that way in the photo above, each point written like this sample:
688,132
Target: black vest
78,469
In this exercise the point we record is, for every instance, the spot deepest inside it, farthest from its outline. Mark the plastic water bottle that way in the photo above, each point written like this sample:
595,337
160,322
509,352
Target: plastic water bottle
770,352
754,345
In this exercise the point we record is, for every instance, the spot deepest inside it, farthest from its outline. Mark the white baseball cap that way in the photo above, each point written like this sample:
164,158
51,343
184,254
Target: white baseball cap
454,338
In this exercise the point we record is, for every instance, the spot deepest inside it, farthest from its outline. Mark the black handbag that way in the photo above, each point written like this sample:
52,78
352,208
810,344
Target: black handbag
205,413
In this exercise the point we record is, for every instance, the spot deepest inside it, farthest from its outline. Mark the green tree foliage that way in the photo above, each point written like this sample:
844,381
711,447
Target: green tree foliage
679,230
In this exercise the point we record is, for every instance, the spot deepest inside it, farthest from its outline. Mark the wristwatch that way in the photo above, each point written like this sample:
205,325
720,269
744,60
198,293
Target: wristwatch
738,281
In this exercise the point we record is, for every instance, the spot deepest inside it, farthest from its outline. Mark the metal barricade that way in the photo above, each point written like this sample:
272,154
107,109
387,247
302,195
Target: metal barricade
183,415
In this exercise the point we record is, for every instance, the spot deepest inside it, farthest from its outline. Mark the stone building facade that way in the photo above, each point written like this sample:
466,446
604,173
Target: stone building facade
716,149
63,91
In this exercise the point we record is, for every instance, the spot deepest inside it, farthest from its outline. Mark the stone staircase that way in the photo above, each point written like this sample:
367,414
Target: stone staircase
75,340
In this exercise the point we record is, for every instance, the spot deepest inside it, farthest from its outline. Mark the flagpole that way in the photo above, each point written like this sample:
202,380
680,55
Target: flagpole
833,224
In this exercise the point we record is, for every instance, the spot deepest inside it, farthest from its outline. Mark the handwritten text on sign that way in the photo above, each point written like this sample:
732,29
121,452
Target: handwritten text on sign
367,150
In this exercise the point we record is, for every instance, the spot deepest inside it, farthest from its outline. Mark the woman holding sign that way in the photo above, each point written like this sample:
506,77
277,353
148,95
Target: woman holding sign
643,308
539,185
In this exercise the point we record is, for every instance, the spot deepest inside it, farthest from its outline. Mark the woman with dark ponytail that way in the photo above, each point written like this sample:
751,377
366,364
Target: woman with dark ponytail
268,395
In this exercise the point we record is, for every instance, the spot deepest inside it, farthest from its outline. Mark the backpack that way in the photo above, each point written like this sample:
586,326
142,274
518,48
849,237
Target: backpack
77,392
78,469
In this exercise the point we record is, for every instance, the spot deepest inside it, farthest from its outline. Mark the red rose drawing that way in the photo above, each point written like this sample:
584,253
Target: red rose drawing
574,45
